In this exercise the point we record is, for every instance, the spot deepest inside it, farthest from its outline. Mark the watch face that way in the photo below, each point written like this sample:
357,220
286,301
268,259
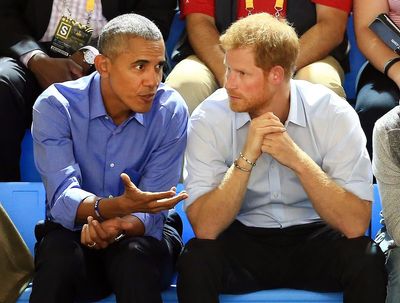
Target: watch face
89,56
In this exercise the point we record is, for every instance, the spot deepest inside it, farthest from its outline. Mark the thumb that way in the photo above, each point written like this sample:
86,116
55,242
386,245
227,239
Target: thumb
127,181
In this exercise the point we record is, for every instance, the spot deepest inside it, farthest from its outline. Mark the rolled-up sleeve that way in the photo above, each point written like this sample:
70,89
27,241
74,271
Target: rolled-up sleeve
54,158
346,159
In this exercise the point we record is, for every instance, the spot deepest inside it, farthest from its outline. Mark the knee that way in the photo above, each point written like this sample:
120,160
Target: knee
365,258
10,72
199,256
63,257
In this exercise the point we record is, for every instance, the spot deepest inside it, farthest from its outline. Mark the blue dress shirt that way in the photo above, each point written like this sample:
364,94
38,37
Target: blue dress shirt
321,123
79,151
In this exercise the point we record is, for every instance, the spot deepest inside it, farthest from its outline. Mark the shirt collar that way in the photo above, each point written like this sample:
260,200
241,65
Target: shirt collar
296,111
241,119
97,108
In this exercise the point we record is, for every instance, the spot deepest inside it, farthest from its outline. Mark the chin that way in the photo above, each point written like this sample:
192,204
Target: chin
235,106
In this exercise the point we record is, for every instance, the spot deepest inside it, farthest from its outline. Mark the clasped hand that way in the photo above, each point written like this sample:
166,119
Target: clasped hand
268,135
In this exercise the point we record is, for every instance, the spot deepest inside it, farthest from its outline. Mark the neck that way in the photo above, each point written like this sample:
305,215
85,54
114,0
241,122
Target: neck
114,107
279,103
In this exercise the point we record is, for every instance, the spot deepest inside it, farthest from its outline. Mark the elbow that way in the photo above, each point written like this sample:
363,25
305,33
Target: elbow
355,230
205,233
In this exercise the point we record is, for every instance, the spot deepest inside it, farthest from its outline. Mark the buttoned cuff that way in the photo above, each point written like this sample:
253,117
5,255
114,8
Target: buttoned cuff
65,208
153,223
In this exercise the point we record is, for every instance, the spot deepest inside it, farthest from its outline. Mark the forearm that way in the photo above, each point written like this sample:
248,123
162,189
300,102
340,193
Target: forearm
107,207
204,39
324,36
370,45
317,43
339,208
215,211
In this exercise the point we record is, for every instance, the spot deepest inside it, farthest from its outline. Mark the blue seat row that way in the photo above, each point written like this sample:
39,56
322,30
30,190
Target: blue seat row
25,204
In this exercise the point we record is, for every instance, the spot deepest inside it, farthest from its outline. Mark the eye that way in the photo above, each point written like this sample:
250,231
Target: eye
160,66
139,66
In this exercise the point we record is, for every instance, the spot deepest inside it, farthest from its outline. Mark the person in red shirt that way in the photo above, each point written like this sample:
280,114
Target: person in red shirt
321,25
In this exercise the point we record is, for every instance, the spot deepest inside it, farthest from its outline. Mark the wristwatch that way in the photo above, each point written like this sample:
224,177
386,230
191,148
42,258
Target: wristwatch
85,57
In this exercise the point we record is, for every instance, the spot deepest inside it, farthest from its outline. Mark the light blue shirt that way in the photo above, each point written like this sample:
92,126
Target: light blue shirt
80,152
322,124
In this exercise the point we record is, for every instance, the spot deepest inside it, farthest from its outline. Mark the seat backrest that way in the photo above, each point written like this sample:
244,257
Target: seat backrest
27,166
187,233
25,205
376,213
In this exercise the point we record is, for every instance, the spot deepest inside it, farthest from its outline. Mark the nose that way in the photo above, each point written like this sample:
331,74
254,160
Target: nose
152,79
230,80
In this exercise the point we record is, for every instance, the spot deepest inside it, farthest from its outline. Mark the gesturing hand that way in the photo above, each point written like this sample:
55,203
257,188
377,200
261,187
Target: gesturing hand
135,200
50,70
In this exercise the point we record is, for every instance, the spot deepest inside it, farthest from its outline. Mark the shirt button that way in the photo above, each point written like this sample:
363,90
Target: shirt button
107,117
275,196
112,165
111,196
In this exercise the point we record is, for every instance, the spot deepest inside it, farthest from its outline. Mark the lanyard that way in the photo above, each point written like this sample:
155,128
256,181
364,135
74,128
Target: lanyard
89,9
278,7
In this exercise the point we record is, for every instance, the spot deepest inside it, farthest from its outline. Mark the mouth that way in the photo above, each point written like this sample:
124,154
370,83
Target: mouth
147,98
233,97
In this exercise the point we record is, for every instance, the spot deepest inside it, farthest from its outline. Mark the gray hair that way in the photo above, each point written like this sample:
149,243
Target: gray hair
117,30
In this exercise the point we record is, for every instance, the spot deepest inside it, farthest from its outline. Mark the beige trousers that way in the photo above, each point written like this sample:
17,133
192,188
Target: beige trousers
195,82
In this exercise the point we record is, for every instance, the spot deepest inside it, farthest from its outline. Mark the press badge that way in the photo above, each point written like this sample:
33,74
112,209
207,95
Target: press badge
70,36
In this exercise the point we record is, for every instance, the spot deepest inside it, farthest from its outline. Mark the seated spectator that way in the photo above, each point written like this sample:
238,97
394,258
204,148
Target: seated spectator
28,65
386,167
16,265
279,180
109,148
321,25
378,85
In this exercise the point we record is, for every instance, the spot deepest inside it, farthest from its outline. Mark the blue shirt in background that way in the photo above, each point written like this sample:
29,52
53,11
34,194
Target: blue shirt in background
80,152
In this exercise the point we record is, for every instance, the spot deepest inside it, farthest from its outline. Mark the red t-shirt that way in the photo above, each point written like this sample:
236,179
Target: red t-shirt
267,6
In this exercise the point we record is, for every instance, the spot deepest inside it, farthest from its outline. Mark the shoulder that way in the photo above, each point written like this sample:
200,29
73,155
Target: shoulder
319,99
213,109
67,94
169,99
388,122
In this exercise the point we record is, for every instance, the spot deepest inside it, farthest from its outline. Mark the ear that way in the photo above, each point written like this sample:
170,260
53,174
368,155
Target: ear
102,64
276,75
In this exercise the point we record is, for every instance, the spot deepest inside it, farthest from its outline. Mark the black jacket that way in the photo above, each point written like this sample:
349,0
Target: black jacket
24,22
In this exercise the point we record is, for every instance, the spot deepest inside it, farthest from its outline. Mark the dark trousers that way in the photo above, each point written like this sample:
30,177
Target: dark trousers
310,257
18,91
136,269
376,95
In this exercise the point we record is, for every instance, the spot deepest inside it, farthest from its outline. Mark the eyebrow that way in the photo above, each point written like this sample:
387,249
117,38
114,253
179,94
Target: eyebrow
143,61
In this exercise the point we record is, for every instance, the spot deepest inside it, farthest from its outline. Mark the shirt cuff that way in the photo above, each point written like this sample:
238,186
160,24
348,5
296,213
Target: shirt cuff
64,209
153,223
26,57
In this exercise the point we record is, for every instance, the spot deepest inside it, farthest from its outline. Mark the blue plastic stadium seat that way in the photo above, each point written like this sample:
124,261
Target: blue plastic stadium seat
376,213
27,166
356,60
24,202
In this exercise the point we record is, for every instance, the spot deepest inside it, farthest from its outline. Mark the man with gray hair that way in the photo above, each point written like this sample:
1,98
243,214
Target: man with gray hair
109,149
